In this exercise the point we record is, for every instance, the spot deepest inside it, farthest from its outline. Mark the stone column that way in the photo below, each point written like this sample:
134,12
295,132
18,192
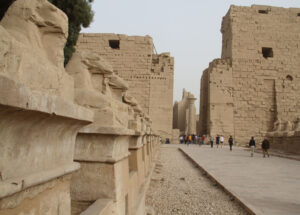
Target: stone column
191,126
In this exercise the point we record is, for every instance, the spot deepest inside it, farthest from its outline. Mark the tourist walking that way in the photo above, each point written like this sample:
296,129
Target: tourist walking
252,145
189,140
265,147
230,141
193,138
221,140
196,139
218,141
211,141
203,139
181,139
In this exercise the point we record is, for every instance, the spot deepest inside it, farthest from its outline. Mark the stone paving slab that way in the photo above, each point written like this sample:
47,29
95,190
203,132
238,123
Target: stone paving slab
265,185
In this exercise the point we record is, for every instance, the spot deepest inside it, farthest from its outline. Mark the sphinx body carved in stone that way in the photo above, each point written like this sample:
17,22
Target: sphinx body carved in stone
38,118
102,148
91,76
277,125
288,126
297,124
97,87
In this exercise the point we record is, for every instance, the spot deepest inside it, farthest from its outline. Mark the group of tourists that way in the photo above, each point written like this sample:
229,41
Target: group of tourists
265,146
219,140
189,139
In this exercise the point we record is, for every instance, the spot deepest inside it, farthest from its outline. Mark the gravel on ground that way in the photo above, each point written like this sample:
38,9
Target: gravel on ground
179,187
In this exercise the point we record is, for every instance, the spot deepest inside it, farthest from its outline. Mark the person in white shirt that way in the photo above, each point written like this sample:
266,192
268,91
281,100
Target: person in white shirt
221,140
181,139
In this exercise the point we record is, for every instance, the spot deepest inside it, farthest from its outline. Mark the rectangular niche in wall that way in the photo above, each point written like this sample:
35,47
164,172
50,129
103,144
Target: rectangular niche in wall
267,52
114,44
263,11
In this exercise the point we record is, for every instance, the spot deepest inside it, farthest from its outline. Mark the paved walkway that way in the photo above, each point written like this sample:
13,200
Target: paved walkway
265,185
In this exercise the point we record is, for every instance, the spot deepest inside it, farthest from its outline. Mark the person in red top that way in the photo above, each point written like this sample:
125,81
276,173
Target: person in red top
203,139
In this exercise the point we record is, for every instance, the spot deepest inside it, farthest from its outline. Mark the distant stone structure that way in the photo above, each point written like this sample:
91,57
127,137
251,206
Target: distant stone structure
149,76
72,140
184,114
256,82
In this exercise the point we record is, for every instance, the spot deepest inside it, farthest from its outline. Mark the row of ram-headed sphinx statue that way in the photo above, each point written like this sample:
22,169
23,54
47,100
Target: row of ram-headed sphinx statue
72,140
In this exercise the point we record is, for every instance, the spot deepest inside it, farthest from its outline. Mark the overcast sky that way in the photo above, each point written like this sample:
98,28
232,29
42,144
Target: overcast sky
189,29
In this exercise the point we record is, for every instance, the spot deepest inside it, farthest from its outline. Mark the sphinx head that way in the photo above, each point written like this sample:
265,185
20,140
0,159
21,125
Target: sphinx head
40,25
88,70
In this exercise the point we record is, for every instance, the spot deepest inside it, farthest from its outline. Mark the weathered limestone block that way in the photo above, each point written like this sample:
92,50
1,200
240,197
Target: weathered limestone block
38,119
100,207
52,197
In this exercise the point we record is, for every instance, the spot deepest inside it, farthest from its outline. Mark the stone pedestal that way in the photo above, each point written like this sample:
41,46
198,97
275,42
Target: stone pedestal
37,132
104,174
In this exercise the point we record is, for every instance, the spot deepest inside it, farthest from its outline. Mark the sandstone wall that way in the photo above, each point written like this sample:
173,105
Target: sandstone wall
161,94
262,45
149,76
217,83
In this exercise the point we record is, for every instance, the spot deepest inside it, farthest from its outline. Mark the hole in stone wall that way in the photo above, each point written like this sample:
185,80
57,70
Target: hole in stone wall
263,11
114,44
298,14
267,52
155,61
289,77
